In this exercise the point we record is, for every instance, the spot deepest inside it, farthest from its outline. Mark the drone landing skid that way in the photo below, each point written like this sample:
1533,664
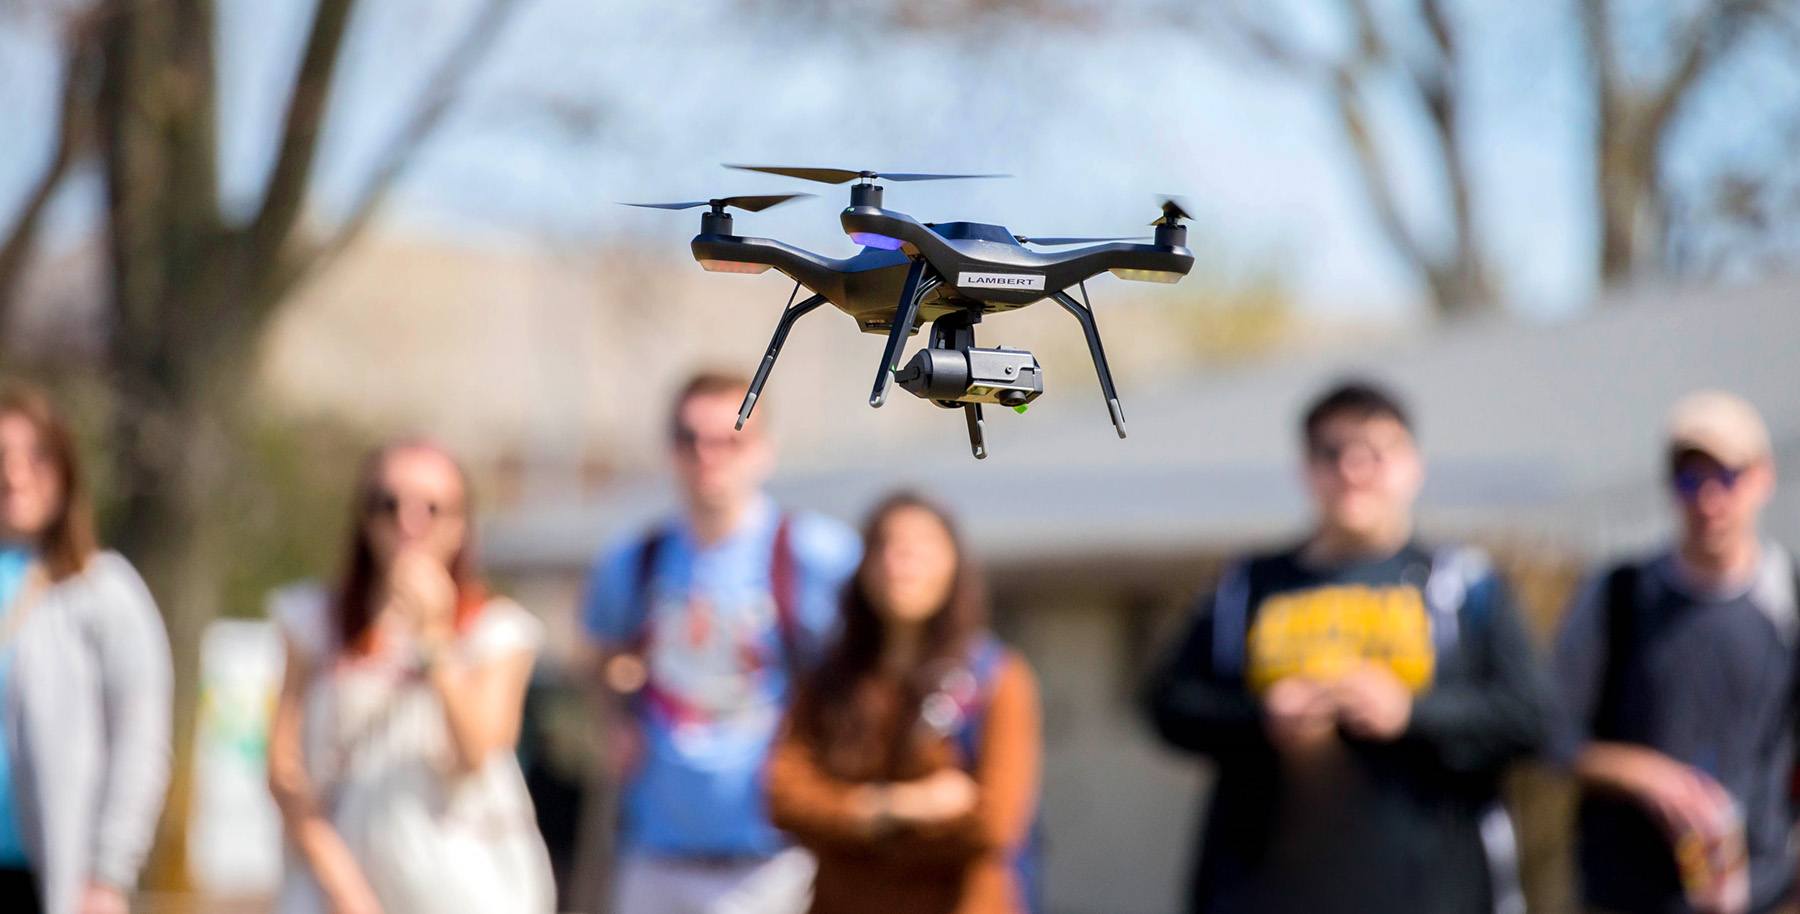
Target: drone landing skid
789,316
1085,314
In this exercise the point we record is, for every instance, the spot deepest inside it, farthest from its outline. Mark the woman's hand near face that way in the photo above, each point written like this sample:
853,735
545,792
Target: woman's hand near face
424,594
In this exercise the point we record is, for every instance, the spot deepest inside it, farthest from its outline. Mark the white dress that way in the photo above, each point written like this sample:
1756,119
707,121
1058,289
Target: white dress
378,753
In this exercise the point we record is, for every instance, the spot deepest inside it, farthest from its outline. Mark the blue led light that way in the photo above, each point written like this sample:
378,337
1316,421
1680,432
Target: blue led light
873,240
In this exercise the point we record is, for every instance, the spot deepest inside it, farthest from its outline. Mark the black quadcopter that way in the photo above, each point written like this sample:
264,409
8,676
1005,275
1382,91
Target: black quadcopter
949,273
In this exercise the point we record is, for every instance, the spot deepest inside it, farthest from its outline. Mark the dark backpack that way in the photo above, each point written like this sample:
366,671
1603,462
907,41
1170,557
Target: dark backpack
1027,860
784,588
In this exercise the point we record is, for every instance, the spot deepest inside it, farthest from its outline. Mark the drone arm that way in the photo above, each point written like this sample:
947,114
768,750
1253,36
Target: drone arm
810,270
789,316
1085,315
917,286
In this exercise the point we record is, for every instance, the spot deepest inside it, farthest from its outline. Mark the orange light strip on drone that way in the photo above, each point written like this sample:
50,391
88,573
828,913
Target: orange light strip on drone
733,266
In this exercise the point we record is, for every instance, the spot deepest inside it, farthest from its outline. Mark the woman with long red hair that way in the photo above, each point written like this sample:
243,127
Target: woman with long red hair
391,751
909,763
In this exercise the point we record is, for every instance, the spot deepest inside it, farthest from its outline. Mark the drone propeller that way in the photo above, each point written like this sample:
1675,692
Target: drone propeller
1062,240
1172,212
845,175
749,204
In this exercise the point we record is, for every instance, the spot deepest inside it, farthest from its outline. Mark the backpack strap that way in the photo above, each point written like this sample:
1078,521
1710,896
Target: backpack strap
984,666
1231,620
784,588
650,552
1455,571
1619,593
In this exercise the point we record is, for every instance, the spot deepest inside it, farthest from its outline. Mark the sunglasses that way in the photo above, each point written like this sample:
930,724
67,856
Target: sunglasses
1688,481
690,441
1332,453
387,505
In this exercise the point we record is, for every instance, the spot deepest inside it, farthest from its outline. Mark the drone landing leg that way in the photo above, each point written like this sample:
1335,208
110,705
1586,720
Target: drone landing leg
916,287
791,314
1085,315
977,430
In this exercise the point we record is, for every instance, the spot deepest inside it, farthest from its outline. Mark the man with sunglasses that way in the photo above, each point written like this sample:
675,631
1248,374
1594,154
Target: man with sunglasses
1677,675
703,622
1359,694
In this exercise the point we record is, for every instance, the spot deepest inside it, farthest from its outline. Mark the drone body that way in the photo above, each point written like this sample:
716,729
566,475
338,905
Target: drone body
949,274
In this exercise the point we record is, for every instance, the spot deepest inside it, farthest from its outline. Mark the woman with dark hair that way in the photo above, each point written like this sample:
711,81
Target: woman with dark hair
391,751
84,684
909,763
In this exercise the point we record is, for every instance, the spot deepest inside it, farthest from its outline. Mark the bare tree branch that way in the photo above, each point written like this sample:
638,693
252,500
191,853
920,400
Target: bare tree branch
1456,277
291,177
1633,125
1372,168
1438,23
1266,43
74,128
1464,282
441,90
1702,42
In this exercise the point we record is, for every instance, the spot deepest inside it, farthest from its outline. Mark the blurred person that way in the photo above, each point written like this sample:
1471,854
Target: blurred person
1360,695
391,749
910,762
704,621
84,684
1677,674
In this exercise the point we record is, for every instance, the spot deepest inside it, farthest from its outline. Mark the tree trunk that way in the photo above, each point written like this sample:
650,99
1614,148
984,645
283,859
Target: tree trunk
171,543
175,456
176,432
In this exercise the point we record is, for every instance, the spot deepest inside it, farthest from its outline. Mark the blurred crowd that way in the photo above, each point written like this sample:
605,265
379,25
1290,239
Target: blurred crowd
801,717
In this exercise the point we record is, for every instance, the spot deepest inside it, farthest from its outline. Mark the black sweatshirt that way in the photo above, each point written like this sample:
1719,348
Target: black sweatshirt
1372,827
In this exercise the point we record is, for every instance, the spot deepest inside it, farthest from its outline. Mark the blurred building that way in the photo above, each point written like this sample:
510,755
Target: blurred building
1544,442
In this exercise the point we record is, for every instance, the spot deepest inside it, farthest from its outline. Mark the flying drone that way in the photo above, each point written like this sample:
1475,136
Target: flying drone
951,274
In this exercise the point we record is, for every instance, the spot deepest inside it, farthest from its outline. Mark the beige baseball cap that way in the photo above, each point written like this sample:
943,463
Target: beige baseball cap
1722,425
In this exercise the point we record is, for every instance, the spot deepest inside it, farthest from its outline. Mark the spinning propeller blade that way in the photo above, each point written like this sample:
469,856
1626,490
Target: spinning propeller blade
1172,212
760,202
1061,240
845,175
749,204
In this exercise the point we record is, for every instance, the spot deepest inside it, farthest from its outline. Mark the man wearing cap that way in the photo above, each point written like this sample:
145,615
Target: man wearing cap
1677,680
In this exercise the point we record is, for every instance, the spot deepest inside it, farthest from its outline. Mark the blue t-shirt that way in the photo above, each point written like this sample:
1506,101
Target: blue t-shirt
14,564
718,675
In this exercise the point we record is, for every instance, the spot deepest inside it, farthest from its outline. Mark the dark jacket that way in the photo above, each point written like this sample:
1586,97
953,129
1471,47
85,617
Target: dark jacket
1381,827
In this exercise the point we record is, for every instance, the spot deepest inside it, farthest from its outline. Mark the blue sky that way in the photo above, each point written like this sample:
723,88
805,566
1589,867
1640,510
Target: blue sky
583,104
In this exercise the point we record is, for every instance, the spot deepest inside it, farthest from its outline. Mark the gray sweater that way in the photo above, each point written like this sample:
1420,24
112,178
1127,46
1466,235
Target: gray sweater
88,726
